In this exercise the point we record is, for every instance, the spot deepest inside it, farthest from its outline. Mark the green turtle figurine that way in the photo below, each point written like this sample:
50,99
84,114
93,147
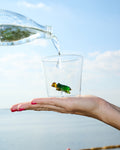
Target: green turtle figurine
61,87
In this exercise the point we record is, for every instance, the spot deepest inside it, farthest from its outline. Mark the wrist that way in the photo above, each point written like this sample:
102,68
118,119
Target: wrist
109,113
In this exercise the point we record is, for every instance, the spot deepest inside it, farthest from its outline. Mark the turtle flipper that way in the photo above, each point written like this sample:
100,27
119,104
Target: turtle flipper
58,89
67,92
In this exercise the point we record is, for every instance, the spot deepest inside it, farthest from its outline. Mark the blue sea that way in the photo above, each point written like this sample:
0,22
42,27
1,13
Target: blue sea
32,130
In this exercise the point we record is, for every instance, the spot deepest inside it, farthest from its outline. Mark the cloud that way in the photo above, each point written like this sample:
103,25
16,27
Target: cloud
95,65
31,5
101,75
20,77
17,64
108,61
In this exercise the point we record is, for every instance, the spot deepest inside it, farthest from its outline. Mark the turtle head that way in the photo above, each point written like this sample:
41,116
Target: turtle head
54,84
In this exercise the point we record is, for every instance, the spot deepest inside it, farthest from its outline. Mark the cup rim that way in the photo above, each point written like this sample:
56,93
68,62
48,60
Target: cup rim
49,58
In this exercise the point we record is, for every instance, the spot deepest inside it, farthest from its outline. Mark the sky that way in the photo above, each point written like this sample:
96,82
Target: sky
90,28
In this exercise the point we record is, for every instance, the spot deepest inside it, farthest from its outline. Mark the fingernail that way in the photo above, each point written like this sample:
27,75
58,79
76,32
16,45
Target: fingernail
21,109
13,110
33,103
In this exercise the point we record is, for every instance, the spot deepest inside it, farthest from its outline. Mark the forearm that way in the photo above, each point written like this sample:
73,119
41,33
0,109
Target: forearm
110,114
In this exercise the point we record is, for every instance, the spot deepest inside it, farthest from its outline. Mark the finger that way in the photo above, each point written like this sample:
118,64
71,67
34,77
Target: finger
14,108
20,106
38,107
53,101
47,108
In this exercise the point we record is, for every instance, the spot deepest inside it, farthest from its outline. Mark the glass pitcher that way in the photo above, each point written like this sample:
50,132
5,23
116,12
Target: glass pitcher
17,29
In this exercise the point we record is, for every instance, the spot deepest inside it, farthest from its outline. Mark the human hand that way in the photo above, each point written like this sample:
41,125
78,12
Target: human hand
82,105
90,106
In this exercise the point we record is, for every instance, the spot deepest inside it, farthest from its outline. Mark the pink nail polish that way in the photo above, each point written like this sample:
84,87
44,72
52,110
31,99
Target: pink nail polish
13,110
33,103
21,109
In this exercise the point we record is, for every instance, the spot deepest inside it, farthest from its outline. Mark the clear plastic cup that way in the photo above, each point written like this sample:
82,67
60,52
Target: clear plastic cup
66,72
